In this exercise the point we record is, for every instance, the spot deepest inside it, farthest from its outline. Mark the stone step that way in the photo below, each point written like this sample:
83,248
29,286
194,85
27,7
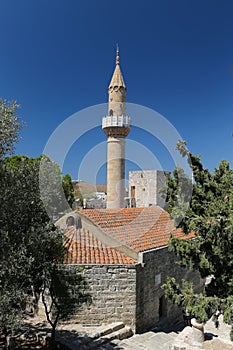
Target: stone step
149,341
120,334
167,336
102,339
130,344
106,341
110,328
111,346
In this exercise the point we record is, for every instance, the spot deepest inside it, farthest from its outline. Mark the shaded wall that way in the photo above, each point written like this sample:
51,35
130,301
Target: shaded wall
113,290
152,308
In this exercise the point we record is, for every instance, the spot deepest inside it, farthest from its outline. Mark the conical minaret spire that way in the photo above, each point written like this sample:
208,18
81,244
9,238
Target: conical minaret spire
116,127
117,91
117,77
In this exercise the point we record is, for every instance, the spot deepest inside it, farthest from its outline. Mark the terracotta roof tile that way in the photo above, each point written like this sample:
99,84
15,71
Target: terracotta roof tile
138,228
84,248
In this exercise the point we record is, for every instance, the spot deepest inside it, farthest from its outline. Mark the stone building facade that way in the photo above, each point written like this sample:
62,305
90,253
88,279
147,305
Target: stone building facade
113,291
125,261
132,293
145,188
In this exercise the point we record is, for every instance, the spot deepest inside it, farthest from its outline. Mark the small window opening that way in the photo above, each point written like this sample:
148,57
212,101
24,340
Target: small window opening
70,221
162,307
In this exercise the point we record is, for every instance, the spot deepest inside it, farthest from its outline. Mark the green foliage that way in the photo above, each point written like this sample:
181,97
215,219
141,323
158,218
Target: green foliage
173,292
210,216
12,287
30,244
64,291
199,305
53,190
178,194
68,188
10,127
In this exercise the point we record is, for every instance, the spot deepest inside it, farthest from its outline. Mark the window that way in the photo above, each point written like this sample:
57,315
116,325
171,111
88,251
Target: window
133,200
70,221
132,191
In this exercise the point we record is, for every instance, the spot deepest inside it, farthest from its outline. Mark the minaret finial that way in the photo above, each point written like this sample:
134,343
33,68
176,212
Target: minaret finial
117,54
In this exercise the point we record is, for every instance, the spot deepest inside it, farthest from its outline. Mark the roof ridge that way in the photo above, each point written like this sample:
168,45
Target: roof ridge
104,237
138,228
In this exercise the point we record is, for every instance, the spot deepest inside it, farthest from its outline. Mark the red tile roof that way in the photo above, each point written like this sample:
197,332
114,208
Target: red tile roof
85,248
138,228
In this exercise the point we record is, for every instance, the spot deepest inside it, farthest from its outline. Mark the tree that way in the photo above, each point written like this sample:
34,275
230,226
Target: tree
10,126
55,191
31,246
178,193
12,296
210,217
13,262
63,292
30,243
68,188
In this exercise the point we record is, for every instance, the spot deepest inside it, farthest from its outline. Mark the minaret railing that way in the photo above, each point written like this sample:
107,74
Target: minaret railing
113,120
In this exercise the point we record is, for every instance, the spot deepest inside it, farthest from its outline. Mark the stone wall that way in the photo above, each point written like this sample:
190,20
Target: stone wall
113,290
148,184
132,293
152,308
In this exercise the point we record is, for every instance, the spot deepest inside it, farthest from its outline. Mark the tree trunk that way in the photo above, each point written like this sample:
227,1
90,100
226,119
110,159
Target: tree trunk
53,334
52,340
10,344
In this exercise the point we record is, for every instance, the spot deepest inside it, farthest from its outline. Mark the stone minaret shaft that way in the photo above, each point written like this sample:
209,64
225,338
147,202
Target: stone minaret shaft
116,127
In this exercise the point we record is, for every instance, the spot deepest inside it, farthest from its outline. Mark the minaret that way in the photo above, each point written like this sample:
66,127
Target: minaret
116,127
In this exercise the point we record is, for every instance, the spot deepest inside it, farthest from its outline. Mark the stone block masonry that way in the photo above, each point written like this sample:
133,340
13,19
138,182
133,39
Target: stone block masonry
132,293
116,172
113,291
152,307
145,187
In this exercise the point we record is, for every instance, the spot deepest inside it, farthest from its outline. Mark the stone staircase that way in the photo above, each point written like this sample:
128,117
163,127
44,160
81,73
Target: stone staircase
149,341
107,337
117,336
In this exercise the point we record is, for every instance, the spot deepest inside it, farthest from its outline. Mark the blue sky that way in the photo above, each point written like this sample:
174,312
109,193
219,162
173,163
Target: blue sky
57,58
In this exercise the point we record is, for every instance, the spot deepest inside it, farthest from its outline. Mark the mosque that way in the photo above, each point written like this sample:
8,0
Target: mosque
124,251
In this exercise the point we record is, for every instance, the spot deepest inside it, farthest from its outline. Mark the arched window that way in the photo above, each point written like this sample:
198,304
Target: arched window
111,112
162,307
70,221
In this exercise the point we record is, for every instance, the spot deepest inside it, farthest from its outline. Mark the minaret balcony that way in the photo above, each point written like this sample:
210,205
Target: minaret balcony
116,120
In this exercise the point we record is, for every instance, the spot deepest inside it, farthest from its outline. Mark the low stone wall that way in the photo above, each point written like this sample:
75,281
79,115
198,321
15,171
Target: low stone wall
113,291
